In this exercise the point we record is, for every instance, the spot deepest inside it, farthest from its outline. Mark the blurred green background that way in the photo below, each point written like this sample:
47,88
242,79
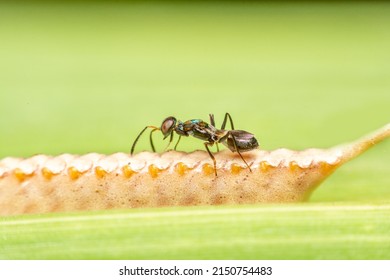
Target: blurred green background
87,77
79,77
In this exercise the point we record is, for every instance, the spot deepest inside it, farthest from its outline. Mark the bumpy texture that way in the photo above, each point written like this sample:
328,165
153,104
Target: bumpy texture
43,184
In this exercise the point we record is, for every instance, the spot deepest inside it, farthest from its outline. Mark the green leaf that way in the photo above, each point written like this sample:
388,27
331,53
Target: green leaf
301,231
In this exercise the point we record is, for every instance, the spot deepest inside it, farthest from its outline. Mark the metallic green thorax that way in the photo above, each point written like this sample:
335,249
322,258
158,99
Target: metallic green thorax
199,129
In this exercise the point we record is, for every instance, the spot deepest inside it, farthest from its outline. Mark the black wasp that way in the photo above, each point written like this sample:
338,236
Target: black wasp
236,140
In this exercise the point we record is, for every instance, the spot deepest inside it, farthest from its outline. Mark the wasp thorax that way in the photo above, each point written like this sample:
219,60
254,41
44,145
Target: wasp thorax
167,126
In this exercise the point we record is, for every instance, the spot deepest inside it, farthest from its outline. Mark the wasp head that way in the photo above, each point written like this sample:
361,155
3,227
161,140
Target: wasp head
167,126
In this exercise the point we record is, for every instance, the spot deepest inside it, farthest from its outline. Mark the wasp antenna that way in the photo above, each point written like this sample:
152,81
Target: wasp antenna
139,135
136,140
151,139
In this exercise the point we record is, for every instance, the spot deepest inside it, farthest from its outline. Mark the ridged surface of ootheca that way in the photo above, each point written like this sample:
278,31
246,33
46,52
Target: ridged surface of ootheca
42,184
69,182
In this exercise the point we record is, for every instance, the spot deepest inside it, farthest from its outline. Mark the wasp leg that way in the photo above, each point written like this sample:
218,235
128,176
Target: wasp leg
235,147
212,121
177,143
139,135
227,115
170,141
207,144
151,139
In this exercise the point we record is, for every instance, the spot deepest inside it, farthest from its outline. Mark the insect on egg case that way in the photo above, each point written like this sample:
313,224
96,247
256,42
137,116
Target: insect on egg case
236,140
243,174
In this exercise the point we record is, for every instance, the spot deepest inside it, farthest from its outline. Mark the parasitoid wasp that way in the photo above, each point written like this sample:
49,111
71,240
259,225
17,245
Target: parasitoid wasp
236,140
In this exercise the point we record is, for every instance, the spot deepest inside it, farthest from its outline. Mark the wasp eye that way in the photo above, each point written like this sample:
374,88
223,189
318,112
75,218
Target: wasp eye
168,125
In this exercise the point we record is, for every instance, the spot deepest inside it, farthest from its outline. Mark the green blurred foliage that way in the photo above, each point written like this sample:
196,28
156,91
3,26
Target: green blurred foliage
310,231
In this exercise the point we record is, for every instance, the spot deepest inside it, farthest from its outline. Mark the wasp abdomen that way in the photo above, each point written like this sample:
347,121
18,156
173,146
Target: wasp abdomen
245,141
